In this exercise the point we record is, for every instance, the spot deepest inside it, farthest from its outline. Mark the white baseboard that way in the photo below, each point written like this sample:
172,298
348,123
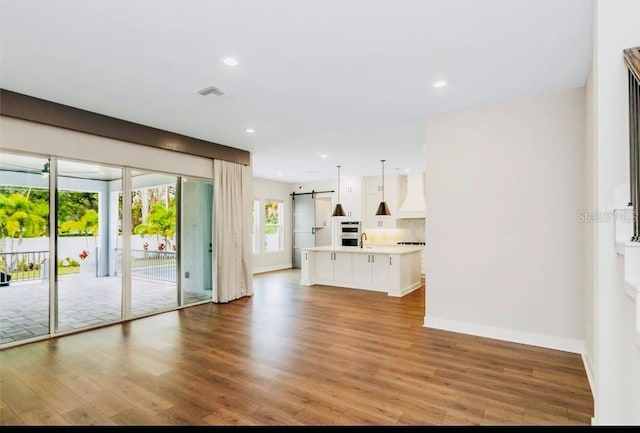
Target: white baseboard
405,290
271,268
588,367
540,340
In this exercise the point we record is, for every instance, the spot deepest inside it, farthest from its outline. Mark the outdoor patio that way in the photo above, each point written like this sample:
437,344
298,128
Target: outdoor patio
83,301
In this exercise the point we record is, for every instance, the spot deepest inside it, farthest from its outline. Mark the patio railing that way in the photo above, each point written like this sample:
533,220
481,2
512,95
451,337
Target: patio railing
155,265
23,266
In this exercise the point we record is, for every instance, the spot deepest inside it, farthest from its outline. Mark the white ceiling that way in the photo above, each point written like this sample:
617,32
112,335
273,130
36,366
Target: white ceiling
352,78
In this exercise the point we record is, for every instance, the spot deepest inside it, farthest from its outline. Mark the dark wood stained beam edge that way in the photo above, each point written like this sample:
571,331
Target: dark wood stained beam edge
20,106
632,59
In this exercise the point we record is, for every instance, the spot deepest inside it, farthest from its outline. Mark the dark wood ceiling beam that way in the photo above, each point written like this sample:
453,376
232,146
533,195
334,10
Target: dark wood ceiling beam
20,106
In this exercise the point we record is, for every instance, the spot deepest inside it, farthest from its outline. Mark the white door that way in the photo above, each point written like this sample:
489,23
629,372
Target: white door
323,221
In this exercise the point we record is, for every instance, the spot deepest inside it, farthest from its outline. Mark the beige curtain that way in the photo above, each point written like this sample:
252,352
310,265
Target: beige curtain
232,231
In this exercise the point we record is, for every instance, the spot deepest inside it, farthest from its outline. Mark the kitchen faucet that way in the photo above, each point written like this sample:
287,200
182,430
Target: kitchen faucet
361,241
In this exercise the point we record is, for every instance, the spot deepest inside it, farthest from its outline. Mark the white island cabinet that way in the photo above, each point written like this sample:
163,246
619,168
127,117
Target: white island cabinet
371,270
391,269
332,266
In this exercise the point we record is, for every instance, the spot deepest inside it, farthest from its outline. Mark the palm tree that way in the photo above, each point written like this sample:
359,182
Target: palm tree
160,222
86,226
20,218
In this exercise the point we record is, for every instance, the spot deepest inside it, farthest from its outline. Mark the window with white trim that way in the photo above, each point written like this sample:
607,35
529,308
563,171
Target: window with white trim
273,220
255,222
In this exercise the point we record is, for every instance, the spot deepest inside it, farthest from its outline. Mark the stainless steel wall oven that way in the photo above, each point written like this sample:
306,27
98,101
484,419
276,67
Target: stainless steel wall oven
350,233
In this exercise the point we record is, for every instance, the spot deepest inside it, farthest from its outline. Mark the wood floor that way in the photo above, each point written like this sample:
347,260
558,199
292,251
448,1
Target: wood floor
290,355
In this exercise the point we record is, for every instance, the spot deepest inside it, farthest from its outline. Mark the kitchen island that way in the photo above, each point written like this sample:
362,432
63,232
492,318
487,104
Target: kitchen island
391,269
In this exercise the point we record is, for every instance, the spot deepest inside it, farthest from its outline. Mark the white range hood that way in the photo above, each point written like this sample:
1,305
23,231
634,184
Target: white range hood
413,205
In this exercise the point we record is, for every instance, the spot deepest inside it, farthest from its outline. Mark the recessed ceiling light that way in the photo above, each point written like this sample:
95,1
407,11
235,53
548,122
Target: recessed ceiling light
439,84
230,61
406,170
323,155
250,130
279,173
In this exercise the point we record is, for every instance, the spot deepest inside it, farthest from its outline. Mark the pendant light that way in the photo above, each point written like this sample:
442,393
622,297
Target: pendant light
383,208
338,211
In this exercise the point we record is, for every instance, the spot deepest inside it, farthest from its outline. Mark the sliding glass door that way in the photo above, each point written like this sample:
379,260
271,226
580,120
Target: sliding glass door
196,242
154,248
89,291
25,262
110,259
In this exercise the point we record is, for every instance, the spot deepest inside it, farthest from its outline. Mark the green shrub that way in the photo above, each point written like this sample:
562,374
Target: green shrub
25,266
68,262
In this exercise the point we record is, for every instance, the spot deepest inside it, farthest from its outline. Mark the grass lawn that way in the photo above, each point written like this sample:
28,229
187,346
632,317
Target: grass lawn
65,270
31,275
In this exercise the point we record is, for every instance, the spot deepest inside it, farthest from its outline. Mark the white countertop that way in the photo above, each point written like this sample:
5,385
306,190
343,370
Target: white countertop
369,249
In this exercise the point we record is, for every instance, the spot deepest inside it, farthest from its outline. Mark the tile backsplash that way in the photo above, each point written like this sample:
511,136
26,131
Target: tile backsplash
413,229
408,230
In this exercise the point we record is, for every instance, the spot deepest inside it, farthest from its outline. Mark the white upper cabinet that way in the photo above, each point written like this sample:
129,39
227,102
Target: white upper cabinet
350,185
351,197
352,205
373,184
373,197
360,198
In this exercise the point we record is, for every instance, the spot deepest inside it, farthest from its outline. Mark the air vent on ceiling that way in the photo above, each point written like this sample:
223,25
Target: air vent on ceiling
213,90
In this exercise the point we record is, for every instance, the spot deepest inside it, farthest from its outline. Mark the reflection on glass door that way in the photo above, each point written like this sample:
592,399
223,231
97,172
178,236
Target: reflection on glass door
89,291
196,242
153,242
25,261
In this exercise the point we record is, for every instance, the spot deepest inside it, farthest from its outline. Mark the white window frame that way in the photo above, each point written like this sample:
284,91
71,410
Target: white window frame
256,224
279,226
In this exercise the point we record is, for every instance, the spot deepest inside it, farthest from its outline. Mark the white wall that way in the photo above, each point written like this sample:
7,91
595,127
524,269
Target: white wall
264,189
589,231
503,186
617,357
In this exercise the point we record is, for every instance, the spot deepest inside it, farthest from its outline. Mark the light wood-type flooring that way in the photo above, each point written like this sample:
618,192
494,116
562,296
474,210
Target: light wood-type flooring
290,355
